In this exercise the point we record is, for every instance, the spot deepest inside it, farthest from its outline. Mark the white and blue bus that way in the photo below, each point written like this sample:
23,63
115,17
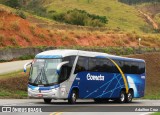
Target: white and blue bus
75,74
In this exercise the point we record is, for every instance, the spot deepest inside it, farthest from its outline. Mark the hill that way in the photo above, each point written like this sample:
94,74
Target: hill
120,16
31,30
152,9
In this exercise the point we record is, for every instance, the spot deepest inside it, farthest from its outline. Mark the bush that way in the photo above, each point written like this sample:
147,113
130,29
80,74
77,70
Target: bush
21,14
80,17
12,3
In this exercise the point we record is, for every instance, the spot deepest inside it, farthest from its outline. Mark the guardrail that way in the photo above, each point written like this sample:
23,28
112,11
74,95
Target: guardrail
24,53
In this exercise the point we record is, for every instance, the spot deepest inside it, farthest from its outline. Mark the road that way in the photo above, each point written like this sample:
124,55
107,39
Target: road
12,66
83,107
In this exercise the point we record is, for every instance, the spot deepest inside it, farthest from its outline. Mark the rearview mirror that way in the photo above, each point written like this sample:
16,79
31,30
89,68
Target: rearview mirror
60,65
25,66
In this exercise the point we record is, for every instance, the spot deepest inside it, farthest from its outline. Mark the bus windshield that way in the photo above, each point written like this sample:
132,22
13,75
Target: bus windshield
44,71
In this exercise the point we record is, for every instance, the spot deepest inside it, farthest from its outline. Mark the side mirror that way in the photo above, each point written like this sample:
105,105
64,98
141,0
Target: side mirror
25,66
60,65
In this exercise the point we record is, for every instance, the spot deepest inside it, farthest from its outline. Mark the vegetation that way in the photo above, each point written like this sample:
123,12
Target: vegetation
157,113
81,17
13,85
138,1
120,17
21,14
12,3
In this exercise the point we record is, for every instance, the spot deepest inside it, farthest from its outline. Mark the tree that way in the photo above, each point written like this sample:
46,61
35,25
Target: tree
12,3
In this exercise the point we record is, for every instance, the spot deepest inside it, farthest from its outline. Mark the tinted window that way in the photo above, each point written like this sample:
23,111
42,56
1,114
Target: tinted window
66,69
93,64
120,64
126,67
82,65
134,68
107,66
141,68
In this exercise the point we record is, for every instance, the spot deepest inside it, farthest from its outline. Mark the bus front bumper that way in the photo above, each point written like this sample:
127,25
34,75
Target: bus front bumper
52,93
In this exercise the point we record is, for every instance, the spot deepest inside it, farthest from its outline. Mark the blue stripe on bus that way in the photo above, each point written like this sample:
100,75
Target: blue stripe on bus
122,59
48,56
43,88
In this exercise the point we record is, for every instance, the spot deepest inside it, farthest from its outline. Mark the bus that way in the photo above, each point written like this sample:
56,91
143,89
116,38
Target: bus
74,74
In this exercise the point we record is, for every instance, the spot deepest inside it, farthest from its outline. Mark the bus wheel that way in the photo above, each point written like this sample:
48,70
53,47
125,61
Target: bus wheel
47,100
129,96
122,97
73,97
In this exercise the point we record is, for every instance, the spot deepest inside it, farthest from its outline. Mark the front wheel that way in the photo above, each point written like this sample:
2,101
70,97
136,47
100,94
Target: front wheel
47,100
73,97
129,97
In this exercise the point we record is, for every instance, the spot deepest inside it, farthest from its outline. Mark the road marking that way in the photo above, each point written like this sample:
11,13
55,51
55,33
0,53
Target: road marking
56,113
148,113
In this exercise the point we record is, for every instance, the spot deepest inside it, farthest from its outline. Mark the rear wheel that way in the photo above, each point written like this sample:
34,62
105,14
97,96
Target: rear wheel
129,96
47,100
122,97
73,97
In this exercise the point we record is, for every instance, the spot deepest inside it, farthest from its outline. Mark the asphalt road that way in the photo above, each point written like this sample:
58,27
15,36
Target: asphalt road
12,66
83,107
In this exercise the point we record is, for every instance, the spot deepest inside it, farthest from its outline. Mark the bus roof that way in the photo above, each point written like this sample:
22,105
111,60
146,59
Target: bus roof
59,53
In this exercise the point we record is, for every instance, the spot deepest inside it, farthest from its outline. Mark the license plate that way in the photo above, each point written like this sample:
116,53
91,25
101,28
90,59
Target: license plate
40,95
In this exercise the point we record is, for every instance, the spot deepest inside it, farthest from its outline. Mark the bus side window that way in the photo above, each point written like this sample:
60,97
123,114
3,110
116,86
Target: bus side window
126,67
82,65
93,65
141,68
66,69
107,66
134,68
64,73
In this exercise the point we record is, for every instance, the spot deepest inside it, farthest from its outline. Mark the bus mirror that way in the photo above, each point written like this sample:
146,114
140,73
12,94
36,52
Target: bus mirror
60,65
25,66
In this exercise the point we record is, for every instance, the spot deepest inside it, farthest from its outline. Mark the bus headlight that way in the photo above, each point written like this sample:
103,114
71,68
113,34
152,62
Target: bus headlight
29,89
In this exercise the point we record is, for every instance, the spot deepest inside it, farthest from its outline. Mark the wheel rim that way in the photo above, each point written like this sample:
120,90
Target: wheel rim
129,97
74,97
122,97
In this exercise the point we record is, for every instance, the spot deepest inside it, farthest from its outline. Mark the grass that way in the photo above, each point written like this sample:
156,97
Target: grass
25,37
13,41
2,40
121,16
15,26
13,85
157,113
11,75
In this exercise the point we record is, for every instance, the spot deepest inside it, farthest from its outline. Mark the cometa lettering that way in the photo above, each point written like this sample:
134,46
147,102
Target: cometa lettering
94,77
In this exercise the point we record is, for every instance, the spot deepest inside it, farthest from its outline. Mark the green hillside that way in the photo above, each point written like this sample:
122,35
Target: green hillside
120,16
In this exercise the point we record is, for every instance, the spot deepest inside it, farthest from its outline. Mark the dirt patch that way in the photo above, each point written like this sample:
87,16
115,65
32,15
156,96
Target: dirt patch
152,72
18,32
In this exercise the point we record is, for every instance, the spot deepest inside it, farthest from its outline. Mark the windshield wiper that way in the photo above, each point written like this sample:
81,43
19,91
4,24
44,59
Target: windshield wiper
43,72
38,76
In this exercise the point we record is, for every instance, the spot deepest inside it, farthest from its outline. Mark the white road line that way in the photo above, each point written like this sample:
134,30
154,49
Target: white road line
148,113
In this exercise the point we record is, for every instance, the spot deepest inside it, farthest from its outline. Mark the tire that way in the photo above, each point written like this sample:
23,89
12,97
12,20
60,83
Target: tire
73,97
47,100
129,97
98,100
122,97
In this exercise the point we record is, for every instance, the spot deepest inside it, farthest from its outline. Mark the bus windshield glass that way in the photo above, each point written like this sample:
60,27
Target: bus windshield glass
44,71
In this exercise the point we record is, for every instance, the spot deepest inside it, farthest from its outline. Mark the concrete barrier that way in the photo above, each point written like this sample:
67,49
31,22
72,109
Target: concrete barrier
15,53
